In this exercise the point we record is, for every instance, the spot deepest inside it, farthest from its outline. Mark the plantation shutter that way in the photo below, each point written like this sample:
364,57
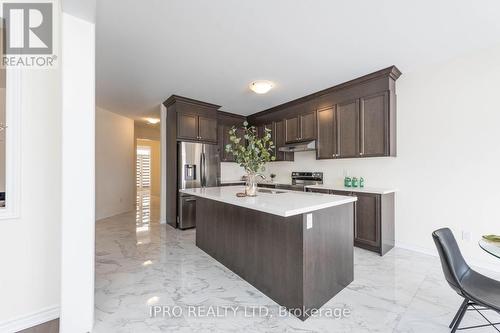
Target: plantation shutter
143,167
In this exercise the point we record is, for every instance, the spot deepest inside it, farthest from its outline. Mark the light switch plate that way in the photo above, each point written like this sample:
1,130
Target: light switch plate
309,221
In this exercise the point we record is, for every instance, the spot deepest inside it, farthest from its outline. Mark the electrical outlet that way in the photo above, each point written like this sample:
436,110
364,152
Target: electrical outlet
466,235
309,221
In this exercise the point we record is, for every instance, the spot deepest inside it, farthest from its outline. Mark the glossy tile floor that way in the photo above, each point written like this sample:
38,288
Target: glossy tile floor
140,264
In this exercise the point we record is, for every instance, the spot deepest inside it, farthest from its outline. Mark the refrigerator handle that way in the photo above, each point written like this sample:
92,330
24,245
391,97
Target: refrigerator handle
203,180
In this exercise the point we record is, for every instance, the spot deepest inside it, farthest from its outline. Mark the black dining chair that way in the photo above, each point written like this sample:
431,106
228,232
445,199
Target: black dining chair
479,292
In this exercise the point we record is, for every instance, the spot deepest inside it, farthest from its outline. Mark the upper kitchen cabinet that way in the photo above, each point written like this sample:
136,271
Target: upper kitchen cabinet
207,129
348,129
278,138
355,128
261,130
374,118
226,121
327,133
353,119
279,141
359,119
300,127
195,127
196,120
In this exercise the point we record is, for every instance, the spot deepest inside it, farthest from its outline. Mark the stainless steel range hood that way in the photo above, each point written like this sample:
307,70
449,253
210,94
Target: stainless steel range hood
300,146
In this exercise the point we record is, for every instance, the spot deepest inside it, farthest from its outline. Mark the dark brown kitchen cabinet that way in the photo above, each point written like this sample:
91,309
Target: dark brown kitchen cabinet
367,223
186,119
356,128
207,129
292,130
301,127
226,121
348,129
308,126
373,219
279,141
261,130
326,146
194,127
278,138
374,119
187,126
224,141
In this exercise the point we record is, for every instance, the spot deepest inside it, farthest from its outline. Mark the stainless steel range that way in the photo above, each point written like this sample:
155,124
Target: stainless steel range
302,179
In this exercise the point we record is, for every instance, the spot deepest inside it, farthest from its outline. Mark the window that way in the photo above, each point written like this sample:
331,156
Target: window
143,167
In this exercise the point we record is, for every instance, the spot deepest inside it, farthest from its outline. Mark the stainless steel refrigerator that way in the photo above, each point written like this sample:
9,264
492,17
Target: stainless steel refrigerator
198,166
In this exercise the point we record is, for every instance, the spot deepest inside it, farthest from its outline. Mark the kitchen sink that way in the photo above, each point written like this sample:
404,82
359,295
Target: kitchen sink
270,191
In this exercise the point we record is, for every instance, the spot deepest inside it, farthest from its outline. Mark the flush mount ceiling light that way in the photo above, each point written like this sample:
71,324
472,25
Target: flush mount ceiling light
153,121
261,86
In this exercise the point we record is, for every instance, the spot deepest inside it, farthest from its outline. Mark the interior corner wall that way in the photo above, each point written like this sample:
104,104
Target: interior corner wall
115,165
448,157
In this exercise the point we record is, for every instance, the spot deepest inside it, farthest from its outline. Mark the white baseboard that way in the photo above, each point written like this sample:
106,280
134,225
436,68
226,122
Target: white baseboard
473,263
29,320
416,248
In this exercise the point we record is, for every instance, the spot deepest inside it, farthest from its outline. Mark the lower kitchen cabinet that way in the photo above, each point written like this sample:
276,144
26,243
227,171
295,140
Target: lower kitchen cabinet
367,226
373,220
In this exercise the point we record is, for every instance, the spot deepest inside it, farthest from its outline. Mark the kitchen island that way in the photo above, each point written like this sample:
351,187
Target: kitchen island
295,247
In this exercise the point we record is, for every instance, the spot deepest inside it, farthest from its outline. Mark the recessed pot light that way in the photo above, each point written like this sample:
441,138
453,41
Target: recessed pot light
261,86
153,121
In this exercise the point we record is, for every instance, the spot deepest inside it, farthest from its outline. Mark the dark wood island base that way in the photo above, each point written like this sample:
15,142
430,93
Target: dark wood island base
296,266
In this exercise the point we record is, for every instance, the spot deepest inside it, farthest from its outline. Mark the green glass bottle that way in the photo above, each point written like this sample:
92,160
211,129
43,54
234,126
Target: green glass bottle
361,182
347,182
354,182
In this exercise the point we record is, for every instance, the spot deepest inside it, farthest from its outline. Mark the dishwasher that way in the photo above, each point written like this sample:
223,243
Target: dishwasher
187,211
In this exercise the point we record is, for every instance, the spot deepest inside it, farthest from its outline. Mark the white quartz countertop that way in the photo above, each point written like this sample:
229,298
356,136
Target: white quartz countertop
285,204
373,190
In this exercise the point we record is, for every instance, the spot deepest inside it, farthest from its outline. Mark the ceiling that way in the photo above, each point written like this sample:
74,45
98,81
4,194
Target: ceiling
148,50
84,9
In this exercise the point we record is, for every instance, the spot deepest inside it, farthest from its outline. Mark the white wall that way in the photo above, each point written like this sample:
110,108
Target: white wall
145,131
231,171
30,245
78,176
115,165
448,155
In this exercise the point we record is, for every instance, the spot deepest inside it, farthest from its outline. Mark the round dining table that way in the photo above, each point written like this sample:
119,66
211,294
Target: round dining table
493,249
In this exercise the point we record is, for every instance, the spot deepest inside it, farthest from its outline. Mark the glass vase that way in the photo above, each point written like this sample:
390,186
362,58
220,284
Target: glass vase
251,184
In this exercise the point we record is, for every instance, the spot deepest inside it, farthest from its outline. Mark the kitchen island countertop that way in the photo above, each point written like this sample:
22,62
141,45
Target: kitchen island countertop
285,204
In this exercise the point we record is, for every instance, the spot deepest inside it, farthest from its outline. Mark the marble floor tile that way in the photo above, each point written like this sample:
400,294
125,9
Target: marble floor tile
142,265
